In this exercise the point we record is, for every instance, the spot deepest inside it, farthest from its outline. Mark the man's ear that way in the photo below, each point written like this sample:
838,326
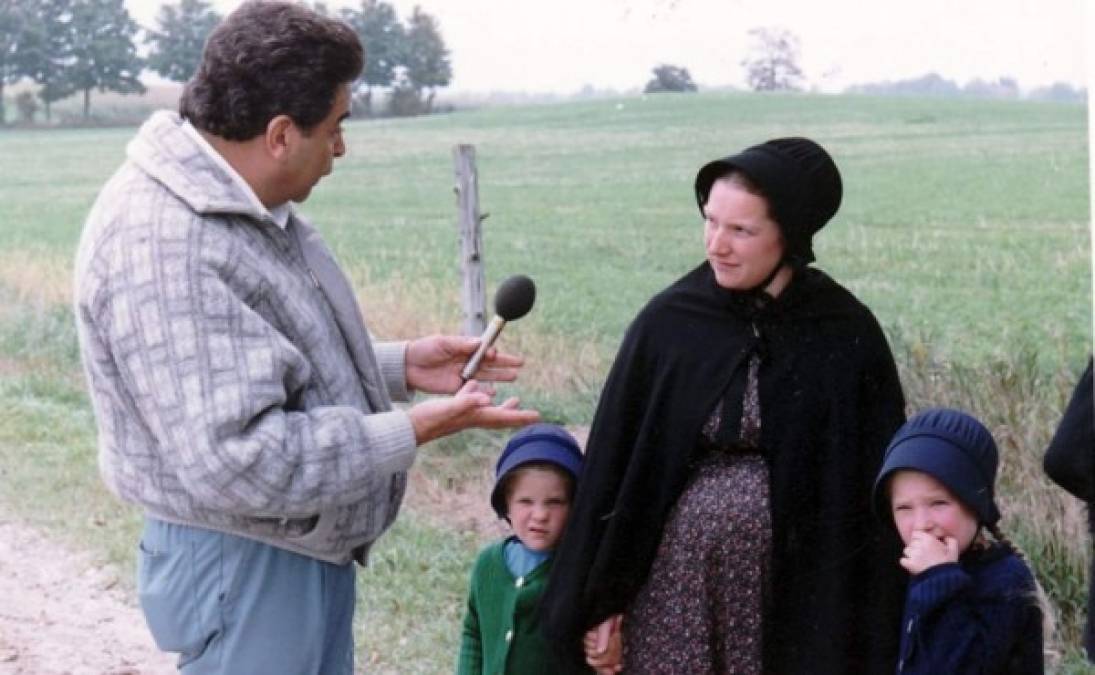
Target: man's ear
280,137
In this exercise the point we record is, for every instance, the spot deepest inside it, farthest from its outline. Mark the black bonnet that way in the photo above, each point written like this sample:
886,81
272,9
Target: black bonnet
798,178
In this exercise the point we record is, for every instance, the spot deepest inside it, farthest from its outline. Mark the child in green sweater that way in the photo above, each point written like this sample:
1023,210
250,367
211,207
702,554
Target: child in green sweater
535,479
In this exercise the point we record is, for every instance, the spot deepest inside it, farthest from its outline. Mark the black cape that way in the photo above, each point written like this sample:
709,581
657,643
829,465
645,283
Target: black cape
830,401
1070,462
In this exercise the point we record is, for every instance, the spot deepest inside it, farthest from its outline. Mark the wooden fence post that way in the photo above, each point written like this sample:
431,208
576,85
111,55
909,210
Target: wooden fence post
473,295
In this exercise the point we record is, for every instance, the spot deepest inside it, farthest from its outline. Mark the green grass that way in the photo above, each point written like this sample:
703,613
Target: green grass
962,220
411,599
964,227
595,203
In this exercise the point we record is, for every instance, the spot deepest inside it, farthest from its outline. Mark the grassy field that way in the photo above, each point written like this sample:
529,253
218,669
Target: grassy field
964,227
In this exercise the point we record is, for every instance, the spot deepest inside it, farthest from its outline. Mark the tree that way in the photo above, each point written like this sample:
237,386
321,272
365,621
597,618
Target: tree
319,7
382,34
405,99
1059,91
177,45
425,59
27,107
104,56
1002,88
669,78
46,49
14,21
774,63
929,84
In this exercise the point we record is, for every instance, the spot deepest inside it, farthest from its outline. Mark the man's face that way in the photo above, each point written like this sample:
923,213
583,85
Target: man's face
312,153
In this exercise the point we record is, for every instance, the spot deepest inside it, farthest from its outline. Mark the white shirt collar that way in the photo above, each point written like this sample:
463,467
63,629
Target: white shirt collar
278,214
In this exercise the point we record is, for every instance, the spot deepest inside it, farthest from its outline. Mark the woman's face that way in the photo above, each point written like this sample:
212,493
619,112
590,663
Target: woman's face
743,244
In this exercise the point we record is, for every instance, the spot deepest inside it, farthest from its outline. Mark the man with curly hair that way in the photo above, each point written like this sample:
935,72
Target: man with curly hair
241,402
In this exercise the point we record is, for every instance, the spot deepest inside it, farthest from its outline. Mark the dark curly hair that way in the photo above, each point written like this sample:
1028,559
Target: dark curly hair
268,59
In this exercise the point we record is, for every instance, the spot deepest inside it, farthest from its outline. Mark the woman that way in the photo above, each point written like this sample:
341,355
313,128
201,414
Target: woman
725,506
1070,463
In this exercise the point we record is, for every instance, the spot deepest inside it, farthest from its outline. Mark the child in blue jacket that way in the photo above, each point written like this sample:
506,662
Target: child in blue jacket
972,603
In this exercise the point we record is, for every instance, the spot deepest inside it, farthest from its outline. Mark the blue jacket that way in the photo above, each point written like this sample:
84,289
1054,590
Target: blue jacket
978,615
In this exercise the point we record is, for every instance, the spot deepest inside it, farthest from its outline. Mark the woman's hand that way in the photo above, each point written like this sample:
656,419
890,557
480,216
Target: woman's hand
434,363
604,646
925,550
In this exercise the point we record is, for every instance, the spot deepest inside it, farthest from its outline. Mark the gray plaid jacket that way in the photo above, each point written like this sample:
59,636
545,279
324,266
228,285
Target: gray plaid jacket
234,384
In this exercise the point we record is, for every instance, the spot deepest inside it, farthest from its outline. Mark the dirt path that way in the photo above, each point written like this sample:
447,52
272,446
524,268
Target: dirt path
59,615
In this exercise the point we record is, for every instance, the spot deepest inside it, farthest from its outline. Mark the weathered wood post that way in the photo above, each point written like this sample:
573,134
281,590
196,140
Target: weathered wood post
473,295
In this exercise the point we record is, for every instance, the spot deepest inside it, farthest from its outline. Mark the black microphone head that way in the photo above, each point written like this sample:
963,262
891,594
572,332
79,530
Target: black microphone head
514,297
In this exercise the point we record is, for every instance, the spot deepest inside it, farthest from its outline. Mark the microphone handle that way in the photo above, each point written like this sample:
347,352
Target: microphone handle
487,339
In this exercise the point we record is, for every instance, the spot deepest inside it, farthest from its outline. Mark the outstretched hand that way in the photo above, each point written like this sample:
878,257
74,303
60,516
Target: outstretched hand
434,363
471,406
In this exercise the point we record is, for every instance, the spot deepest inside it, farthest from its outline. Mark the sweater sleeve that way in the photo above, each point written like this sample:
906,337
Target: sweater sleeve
391,357
951,627
217,388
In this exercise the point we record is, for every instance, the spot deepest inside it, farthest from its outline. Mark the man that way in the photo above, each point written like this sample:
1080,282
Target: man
240,400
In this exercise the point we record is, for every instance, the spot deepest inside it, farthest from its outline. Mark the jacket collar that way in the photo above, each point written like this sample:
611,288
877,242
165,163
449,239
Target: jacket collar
174,158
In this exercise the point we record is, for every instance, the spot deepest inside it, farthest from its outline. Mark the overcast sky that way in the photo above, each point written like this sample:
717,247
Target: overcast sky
563,45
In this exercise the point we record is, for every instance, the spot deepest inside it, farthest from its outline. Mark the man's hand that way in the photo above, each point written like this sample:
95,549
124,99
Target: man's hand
925,550
470,407
434,364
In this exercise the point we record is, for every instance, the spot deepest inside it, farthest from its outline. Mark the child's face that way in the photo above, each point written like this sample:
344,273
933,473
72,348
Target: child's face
538,507
920,503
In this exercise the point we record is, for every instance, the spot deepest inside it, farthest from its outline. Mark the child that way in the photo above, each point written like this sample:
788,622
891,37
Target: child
971,606
535,480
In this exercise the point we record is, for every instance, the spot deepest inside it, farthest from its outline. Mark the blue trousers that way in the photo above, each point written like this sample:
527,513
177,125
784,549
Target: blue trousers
230,605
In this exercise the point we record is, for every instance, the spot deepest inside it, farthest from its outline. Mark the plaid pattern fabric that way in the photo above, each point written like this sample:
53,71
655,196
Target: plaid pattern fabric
234,383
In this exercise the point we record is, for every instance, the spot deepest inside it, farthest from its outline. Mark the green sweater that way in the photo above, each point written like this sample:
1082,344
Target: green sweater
501,626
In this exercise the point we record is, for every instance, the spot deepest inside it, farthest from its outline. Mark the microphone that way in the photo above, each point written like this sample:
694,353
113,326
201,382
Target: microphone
512,300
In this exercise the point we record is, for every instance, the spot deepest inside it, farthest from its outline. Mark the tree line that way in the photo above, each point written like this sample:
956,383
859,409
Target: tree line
773,64
68,47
